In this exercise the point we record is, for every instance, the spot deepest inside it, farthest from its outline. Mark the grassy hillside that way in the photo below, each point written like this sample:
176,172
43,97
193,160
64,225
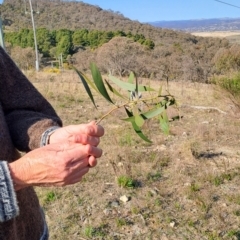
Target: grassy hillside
182,186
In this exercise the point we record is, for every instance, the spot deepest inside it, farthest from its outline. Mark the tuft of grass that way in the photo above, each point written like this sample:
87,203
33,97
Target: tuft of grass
135,210
221,178
234,233
51,196
96,232
217,181
69,99
235,198
190,223
164,162
126,182
194,187
80,201
212,236
237,212
153,177
158,202
89,231
121,222
152,156
178,206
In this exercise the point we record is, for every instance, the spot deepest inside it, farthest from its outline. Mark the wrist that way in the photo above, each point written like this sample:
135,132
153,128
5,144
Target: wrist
45,139
16,174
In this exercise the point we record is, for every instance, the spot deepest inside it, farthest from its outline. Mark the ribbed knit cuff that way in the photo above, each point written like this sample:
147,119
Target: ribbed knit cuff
8,201
46,135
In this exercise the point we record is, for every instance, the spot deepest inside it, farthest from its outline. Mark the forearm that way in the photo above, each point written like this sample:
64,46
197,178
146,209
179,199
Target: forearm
19,174
18,171
27,113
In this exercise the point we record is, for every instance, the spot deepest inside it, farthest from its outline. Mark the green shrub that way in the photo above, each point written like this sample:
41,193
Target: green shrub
231,84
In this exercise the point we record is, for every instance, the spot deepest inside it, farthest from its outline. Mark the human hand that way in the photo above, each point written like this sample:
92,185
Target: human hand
53,165
83,133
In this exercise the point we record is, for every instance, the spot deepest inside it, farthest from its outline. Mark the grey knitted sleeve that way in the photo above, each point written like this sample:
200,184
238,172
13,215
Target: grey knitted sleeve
8,202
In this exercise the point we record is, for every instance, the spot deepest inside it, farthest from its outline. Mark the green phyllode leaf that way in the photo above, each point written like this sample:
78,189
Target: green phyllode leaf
164,122
131,78
139,120
136,127
85,84
113,90
97,78
147,115
129,86
160,91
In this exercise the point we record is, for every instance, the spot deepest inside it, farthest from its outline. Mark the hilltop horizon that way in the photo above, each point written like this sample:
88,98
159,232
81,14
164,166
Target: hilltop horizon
174,10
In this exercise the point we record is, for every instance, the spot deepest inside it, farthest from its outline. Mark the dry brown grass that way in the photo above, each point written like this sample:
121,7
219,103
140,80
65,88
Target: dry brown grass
187,181
220,34
232,36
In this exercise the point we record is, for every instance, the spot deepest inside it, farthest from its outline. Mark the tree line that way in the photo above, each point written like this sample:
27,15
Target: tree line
52,43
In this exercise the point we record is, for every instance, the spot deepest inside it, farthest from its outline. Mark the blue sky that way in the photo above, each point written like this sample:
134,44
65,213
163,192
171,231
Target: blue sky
157,10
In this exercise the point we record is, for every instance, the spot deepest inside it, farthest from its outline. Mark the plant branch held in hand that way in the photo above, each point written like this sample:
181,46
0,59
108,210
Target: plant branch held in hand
156,105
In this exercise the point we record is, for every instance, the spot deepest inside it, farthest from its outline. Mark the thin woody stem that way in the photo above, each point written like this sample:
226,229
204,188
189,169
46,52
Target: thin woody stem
109,112
126,104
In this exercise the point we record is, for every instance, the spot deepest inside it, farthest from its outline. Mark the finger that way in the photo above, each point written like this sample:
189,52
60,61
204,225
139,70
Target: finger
77,165
92,161
94,151
78,152
87,139
69,153
76,176
98,129
89,129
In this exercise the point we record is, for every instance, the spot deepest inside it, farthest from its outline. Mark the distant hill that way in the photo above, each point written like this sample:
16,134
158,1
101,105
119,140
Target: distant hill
176,54
57,14
201,25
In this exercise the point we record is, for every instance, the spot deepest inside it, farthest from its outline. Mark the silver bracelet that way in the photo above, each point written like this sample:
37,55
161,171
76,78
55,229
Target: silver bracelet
46,135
